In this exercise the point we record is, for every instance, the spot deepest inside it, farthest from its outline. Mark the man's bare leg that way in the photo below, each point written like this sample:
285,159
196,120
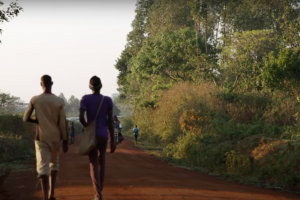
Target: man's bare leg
44,179
52,184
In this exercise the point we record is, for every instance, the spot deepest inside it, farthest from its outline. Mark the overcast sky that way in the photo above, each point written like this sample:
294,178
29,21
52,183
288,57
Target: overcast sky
70,40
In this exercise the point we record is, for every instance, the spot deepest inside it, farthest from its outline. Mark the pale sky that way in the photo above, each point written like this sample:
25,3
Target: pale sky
70,40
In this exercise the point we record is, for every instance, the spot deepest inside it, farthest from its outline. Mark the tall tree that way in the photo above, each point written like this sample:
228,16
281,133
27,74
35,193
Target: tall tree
10,104
122,64
67,107
242,58
10,12
73,104
168,16
173,56
282,71
136,37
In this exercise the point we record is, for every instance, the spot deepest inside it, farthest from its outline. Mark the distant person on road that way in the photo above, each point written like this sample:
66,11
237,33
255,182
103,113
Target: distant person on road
135,133
72,132
89,104
116,123
117,130
51,131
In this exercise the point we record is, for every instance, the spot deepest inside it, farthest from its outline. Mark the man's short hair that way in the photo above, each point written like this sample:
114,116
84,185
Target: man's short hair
95,83
46,79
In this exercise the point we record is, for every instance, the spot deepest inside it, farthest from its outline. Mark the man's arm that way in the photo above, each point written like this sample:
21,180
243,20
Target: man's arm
62,124
27,115
63,128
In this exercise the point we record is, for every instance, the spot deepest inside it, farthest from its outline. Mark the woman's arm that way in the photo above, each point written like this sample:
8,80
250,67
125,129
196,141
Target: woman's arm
82,119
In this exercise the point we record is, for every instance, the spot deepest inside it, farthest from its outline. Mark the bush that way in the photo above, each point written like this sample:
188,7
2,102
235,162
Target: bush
16,138
169,120
250,135
127,125
13,124
14,148
144,119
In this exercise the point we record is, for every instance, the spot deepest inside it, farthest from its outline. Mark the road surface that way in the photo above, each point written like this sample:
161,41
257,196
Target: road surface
133,175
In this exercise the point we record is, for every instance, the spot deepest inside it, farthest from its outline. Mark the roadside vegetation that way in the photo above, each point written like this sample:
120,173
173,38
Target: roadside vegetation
214,86
17,137
16,141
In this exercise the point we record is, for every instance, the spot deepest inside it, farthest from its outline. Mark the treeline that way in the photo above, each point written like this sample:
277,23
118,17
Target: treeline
237,45
71,105
16,137
216,83
12,105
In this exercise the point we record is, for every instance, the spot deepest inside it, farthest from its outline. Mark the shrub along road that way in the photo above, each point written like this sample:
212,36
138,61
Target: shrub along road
132,174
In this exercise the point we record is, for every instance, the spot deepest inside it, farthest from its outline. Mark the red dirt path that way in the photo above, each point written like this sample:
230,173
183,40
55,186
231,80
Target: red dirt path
133,175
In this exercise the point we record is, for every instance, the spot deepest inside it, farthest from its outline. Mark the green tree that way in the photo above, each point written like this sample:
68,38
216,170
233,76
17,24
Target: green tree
282,72
73,104
10,104
122,64
242,58
173,56
10,12
67,106
168,16
136,37
224,17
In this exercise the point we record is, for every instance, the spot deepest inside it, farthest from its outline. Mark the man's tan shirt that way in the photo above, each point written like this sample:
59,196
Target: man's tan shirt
50,113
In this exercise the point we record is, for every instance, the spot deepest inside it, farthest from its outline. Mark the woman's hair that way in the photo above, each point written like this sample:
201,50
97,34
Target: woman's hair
95,83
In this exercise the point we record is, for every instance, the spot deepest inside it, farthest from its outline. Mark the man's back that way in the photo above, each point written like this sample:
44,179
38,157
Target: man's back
49,111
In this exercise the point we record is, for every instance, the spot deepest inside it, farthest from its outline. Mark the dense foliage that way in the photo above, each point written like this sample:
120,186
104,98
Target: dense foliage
215,83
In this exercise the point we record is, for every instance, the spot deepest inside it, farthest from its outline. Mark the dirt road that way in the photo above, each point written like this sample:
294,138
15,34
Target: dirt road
133,175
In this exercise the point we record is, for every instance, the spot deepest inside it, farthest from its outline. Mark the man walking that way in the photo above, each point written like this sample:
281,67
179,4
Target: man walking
135,133
51,129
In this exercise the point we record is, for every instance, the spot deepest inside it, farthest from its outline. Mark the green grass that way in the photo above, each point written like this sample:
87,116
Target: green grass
16,143
16,166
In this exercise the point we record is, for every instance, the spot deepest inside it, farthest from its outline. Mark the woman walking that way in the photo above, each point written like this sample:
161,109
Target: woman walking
89,105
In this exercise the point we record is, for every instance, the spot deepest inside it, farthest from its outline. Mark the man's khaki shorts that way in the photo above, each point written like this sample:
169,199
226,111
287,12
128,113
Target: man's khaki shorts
47,157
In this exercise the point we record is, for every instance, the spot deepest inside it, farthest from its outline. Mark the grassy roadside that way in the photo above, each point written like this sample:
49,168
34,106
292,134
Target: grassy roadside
251,138
16,166
157,151
17,151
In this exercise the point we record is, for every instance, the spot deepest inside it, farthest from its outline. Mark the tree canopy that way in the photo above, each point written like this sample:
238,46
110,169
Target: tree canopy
8,13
